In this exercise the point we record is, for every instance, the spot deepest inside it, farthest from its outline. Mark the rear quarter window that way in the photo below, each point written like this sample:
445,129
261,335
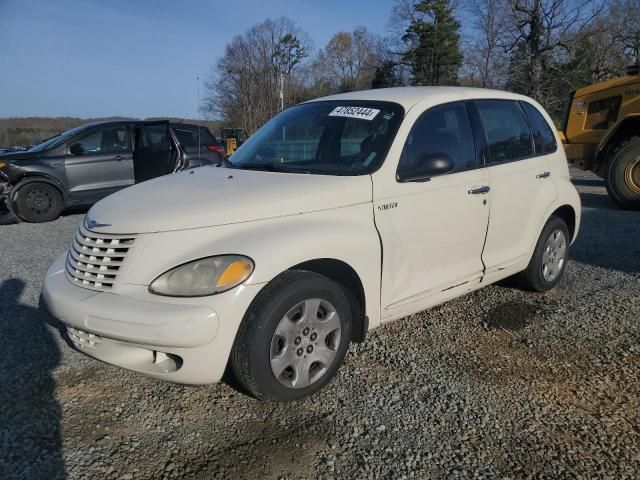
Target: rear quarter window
543,137
189,137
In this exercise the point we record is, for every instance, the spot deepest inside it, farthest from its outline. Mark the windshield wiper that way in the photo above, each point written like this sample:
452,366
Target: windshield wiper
225,162
269,167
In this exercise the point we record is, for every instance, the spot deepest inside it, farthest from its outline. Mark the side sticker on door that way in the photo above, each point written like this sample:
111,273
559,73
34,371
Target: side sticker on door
387,206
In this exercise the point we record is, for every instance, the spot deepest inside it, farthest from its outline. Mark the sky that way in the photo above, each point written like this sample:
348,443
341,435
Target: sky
90,58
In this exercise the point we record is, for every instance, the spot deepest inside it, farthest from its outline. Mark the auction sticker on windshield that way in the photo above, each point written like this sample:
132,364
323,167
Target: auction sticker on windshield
362,113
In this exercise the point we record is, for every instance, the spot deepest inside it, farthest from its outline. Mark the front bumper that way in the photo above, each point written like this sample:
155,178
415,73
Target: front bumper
178,340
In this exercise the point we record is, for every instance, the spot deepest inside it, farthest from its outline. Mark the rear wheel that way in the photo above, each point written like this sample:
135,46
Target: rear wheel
623,174
549,258
38,202
294,337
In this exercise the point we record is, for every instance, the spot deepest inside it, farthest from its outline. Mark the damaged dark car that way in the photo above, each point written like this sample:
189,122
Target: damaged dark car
83,165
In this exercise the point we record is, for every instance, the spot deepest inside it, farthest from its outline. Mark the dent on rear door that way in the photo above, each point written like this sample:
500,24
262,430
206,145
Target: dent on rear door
519,202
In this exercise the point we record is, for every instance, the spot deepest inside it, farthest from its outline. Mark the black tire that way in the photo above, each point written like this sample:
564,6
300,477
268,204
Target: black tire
535,277
252,350
622,175
38,202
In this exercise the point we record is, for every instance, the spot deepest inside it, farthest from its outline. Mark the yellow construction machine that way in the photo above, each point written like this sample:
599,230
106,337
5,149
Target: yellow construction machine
232,138
601,133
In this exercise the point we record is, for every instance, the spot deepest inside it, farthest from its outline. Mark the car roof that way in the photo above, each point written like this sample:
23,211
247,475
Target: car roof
409,96
106,122
128,122
191,126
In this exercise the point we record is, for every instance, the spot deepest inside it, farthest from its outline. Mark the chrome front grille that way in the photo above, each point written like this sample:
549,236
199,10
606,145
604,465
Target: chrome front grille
83,339
95,259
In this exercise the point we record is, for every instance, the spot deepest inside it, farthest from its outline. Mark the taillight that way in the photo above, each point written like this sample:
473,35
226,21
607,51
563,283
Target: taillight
216,148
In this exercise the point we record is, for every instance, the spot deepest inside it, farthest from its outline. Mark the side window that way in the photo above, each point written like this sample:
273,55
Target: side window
506,130
106,140
443,129
189,137
602,114
153,139
543,136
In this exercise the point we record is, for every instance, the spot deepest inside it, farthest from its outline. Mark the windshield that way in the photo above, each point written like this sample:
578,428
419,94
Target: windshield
57,139
330,137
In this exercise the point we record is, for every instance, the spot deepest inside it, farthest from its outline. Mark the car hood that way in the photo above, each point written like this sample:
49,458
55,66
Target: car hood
11,157
210,196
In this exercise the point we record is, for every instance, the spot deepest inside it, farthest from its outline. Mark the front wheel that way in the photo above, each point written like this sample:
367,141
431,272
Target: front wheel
38,202
294,337
549,259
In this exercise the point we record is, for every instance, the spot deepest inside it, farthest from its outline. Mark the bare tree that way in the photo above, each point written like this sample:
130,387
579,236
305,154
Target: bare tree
243,87
485,63
626,28
538,35
596,54
349,61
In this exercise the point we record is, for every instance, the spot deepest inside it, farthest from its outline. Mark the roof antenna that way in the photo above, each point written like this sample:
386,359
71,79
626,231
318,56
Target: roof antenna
198,114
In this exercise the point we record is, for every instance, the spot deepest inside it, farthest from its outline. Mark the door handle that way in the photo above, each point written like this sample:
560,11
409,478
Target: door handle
480,190
119,157
543,175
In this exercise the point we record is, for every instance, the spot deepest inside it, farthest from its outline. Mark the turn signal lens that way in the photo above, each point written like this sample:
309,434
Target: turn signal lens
3,164
234,274
206,276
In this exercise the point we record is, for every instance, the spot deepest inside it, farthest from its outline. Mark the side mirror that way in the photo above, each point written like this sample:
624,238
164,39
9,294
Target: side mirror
76,149
428,165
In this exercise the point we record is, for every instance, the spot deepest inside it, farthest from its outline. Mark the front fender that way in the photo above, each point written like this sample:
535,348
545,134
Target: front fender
50,169
20,175
347,234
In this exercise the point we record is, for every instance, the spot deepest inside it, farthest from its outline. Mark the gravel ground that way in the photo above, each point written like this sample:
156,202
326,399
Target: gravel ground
500,383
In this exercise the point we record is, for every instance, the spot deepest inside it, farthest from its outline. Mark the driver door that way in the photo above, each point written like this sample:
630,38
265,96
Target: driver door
100,162
433,230
154,153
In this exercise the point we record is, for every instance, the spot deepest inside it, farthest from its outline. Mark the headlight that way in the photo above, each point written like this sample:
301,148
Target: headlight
206,276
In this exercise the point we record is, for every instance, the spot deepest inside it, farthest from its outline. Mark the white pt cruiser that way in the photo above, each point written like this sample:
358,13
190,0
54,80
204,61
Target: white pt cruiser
337,216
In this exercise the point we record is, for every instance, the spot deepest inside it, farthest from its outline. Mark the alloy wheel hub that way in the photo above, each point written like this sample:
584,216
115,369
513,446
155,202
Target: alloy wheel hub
553,257
305,343
632,175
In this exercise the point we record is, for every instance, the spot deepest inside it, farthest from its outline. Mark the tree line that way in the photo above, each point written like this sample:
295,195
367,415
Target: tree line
25,131
540,48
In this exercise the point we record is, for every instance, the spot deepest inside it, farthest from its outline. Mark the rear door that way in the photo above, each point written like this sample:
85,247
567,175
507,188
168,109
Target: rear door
102,162
521,188
154,153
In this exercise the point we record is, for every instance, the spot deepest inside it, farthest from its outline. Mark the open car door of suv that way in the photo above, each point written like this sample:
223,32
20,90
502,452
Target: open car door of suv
154,153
